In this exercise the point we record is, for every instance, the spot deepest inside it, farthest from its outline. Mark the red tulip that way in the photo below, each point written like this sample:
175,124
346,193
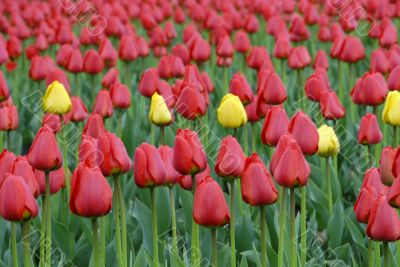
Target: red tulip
56,178
321,60
379,62
149,82
75,62
191,103
127,49
251,24
88,152
39,68
257,57
225,47
53,121
304,131
167,155
364,203
44,153
149,167
209,205
270,88
92,62
64,54
120,96
16,200
8,118
14,47
316,84
275,125
383,222
369,132
393,80
200,51
181,51
115,158
78,111
185,181
351,50
299,58
288,165
242,42
371,90
388,36
258,189
331,107
385,165
230,160
282,47
110,78
103,104
241,88
7,160
298,30
251,110
23,169
108,52
170,66
4,90
94,126
189,155
84,200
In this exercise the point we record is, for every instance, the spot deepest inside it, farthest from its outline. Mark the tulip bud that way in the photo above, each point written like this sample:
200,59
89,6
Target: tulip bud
275,125
258,189
78,111
185,181
191,104
364,203
288,165
108,52
299,58
385,165
110,78
4,90
149,167
88,152
94,126
84,200
383,222
44,153
330,105
16,200
103,104
120,96
272,91
370,90
209,205
316,84
92,63
230,159
24,169
393,80
167,155
240,87
149,82
53,121
127,49
369,132
115,158
242,42
8,118
391,111
231,112
257,57
189,155
7,160
379,61
304,131
56,100
251,110
200,51
159,112
321,60
75,62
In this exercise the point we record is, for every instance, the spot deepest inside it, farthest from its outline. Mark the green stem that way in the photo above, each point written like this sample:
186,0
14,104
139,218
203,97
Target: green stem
122,221
117,225
303,191
162,135
9,141
246,139
283,71
377,254
14,244
119,126
154,223
226,89
48,220
370,253
293,257
232,224
282,225
398,251
25,242
263,237
102,241
214,247
395,137
95,243
340,82
253,137
173,219
43,232
195,250
329,185
386,254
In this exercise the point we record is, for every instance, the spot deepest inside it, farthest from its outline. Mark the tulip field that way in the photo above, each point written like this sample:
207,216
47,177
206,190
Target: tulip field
168,133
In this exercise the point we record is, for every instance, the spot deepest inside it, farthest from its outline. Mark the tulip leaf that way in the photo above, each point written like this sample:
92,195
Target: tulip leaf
140,260
143,215
336,226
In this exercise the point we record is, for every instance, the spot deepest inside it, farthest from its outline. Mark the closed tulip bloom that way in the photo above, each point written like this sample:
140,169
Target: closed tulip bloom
103,104
39,68
304,131
186,182
16,200
257,57
4,90
88,152
275,125
383,222
209,205
225,47
298,30
44,153
53,121
321,60
120,96
167,156
189,155
78,111
115,158
299,58
56,99
369,132
231,112
379,61
23,169
394,194
127,49
251,110
242,42
331,107
64,54
388,36
396,164
364,203
8,118
240,87
57,181
191,104
92,62
272,90
7,160
371,90
149,169
328,144
94,126
288,165
391,111
258,189
159,111
149,82
351,50
372,178
393,80
75,62
200,51
230,159
316,84
282,47
181,51
110,78
85,201
385,165
108,52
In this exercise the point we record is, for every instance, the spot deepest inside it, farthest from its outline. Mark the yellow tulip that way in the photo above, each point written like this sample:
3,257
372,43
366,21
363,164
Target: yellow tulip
56,99
391,111
231,112
328,144
159,111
